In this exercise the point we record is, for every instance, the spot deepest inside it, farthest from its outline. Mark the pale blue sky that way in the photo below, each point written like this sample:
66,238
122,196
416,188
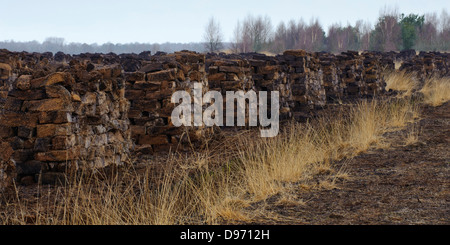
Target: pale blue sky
125,21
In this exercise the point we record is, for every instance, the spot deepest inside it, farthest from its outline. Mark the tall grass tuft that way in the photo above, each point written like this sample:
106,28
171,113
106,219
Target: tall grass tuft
406,83
436,91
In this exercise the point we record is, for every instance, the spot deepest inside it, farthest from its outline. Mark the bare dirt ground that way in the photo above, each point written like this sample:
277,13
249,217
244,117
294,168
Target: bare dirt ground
399,184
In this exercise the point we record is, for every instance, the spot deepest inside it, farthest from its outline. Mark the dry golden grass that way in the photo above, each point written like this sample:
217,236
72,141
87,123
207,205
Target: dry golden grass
436,91
268,53
412,136
402,82
397,65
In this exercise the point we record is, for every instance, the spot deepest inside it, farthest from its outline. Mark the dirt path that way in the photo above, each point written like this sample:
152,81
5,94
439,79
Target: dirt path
402,184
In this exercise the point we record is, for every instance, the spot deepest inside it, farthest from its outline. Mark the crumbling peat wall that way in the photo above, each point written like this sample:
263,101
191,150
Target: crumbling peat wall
149,88
425,64
61,116
64,113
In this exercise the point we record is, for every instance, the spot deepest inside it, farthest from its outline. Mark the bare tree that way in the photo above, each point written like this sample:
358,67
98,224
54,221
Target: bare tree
445,21
427,38
241,38
365,35
280,39
299,35
336,38
343,38
236,39
213,37
387,33
316,34
53,44
293,33
253,34
444,34
260,32
309,36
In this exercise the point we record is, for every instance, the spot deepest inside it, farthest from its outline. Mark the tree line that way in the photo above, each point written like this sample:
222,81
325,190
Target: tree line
392,32
57,44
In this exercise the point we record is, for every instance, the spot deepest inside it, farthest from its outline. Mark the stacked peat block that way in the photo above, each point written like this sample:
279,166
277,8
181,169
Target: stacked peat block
441,64
315,89
5,81
351,69
373,77
387,60
7,167
11,66
150,90
306,82
427,64
14,64
408,54
101,114
265,71
331,81
445,64
229,73
414,65
269,74
435,63
190,70
69,120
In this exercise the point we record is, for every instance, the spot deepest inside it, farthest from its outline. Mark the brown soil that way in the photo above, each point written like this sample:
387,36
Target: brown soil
400,184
